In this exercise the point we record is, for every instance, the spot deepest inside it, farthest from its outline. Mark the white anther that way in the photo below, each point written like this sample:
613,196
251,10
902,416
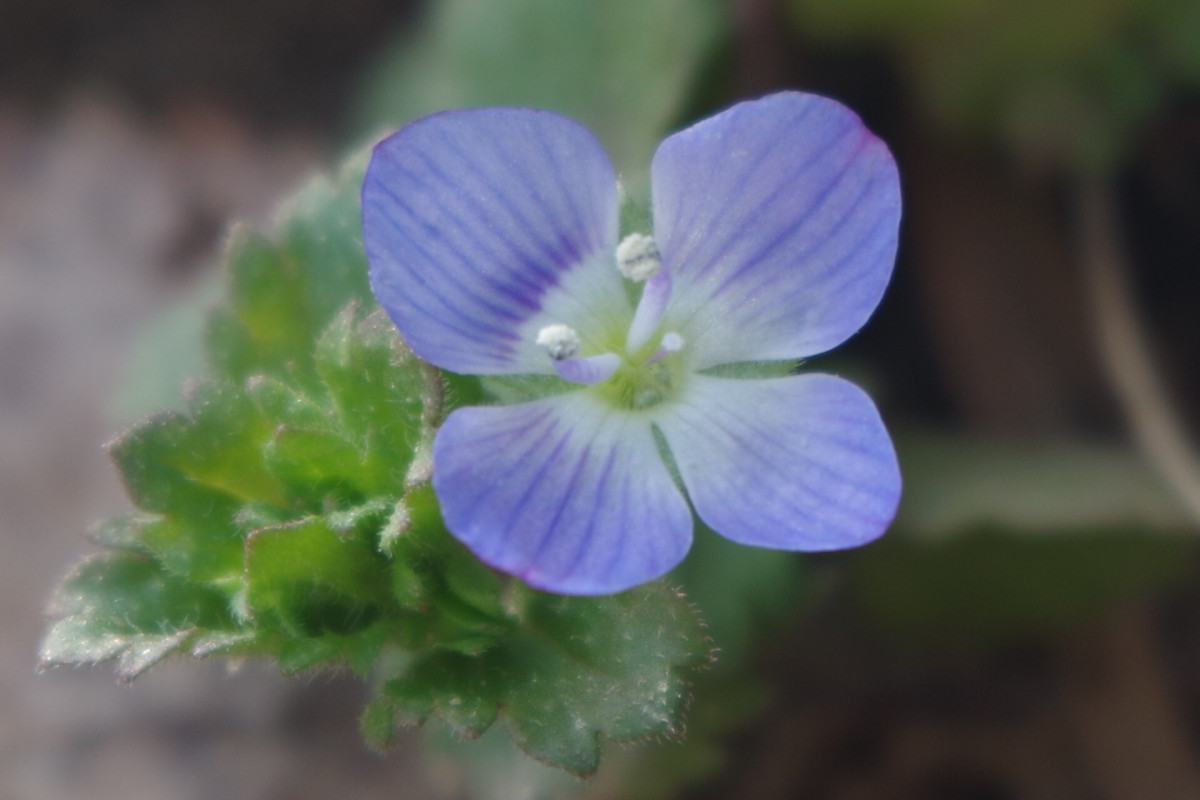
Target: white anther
671,342
637,257
560,341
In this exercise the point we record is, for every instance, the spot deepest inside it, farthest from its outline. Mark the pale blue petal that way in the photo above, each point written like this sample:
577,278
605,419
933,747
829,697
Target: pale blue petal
796,463
778,222
482,226
567,495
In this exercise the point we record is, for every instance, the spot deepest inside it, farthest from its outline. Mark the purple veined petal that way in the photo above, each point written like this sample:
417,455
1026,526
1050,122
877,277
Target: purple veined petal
568,495
483,225
796,463
778,220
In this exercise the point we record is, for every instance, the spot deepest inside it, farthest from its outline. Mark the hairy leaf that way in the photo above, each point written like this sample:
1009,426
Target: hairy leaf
125,607
570,673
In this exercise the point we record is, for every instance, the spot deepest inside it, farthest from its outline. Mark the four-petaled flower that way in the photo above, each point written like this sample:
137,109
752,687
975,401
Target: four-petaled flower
492,236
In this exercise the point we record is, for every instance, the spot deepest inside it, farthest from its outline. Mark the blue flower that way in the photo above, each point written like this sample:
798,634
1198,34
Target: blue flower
492,236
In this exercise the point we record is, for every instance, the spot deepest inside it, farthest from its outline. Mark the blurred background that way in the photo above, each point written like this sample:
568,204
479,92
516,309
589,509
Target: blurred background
1031,626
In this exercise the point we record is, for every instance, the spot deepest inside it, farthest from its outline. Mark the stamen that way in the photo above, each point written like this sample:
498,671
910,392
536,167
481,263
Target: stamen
638,258
649,311
560,341
588,371
671,342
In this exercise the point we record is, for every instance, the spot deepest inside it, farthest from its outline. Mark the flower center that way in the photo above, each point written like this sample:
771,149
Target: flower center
642,383
643,373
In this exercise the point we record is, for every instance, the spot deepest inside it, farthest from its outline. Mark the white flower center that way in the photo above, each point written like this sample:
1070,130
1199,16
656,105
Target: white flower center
639,374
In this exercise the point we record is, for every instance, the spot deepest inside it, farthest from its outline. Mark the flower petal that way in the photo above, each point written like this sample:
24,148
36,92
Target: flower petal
482,226
796,463
778,220
567,495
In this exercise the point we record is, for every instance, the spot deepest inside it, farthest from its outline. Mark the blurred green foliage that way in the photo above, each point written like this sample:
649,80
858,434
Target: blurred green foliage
997,540
957,482
1064,81
623,68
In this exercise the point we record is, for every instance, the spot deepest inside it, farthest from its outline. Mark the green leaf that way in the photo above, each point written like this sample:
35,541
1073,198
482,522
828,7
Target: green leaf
746,592
571,673
285,405
122,532
995,539
986,586
378,723
357,650
173,460
621,67
312,580
728,702
284,289
201,543
600,667
953,483
266,294
319,464
123,606
321,234
459,600
1072,81
380,389
198,472
464,692
230,351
